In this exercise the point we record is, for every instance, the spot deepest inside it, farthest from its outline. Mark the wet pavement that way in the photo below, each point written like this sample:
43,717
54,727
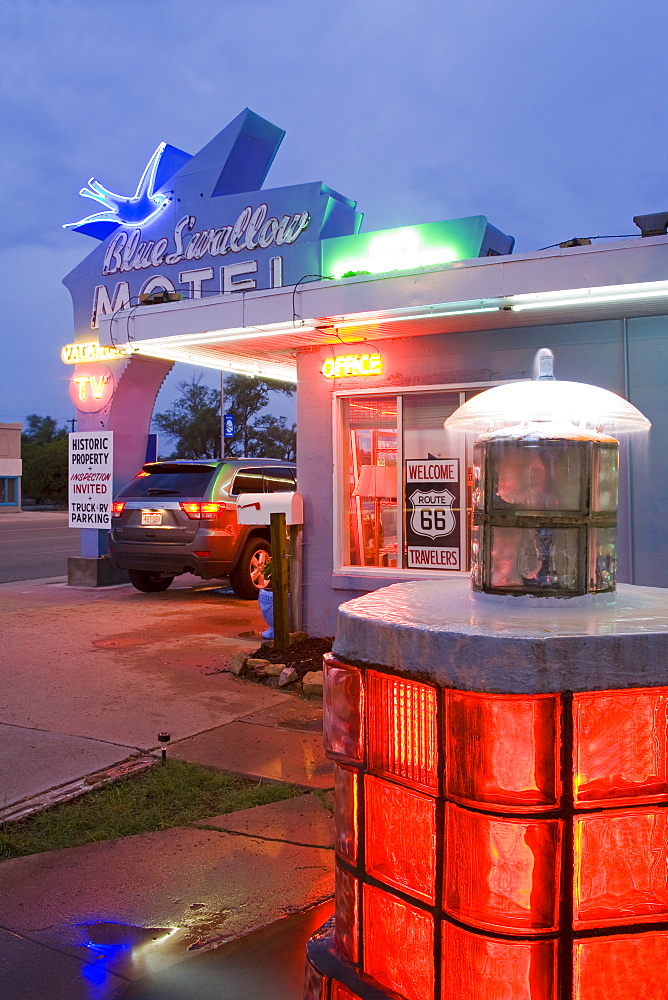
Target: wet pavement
268,964
40,760
89,678
298,757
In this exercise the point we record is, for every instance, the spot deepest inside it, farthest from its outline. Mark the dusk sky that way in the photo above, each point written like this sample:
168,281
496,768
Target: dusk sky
548,118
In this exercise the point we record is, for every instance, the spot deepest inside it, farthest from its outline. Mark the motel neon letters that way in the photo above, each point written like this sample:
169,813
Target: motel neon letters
251,230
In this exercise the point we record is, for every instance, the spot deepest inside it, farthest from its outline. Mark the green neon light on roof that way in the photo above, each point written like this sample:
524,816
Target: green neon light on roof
405,248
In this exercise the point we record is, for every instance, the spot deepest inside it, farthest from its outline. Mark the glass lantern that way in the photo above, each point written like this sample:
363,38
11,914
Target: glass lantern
545,511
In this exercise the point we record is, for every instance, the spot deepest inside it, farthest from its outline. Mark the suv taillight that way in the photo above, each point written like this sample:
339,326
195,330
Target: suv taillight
117,508
205,511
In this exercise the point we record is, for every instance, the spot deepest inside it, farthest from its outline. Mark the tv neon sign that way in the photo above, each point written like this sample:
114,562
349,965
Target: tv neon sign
352,366
91,388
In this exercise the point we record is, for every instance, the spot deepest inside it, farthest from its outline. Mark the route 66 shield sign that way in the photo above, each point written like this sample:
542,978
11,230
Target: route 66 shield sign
432,515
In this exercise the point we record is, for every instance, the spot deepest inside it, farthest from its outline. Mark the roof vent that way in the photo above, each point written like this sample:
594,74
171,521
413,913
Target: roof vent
652,225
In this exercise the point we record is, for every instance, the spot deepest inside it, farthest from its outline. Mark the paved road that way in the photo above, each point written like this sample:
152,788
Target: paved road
35,545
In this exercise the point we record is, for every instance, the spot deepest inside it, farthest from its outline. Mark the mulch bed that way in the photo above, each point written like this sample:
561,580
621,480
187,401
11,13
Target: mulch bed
304,655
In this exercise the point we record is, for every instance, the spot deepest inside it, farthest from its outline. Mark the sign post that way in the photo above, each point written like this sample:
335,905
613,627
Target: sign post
279,580
279,510
90,465
223,428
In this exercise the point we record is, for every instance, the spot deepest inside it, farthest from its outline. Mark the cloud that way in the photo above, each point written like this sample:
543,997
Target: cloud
547,118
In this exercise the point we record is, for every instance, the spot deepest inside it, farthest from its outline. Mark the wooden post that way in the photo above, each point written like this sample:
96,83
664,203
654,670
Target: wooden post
295,615
279,580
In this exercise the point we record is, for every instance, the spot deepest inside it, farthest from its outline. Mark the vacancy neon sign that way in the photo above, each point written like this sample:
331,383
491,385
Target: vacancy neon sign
352,365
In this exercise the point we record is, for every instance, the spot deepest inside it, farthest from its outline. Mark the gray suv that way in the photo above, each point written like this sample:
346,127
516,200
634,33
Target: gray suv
180,516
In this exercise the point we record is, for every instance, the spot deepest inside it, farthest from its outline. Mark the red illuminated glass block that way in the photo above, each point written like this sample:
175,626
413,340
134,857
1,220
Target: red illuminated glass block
401,729
345,812
620,743
622,967
503,750
341,992
401,837
342,710
621,867
314,984
502,874
346,921
398,945
476,967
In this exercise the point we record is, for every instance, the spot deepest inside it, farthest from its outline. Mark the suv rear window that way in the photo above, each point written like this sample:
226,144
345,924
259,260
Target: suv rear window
247,481
278,480
170,480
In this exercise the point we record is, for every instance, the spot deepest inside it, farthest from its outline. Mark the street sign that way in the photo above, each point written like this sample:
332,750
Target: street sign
91,462
229,425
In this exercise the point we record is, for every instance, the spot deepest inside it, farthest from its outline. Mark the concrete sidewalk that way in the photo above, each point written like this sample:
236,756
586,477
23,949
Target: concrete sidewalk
88,679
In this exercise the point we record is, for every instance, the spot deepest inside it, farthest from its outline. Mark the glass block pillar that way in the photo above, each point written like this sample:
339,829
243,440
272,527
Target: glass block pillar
494,846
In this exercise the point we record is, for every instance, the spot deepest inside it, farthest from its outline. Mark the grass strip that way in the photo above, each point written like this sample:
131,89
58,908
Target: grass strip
157,799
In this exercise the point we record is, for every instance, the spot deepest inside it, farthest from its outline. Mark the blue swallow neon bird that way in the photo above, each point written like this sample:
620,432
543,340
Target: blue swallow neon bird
136,211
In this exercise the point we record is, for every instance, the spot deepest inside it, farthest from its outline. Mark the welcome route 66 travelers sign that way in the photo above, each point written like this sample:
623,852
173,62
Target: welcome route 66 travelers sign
433,513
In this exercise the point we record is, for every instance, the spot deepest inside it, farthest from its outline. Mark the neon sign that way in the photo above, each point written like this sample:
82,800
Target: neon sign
395,251
352,365
410,247
91,388
136,211
75,354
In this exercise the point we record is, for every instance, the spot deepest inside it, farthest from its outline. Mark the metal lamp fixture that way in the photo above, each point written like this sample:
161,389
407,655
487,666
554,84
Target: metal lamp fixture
545,485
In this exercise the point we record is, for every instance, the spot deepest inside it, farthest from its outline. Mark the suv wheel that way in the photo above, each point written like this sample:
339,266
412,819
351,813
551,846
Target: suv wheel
147,582
246,578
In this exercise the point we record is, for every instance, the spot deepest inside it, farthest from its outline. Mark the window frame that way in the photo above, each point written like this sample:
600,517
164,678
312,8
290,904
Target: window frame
5,492
342,569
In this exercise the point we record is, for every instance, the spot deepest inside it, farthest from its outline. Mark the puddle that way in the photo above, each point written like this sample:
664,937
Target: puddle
127,950
103,934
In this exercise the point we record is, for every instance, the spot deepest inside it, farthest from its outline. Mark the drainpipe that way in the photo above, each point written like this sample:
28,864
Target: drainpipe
629,467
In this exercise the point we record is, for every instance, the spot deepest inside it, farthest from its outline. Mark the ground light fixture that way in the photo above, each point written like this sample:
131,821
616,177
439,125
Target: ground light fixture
163,738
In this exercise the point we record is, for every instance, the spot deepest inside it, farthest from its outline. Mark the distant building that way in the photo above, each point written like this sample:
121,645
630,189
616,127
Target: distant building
10,467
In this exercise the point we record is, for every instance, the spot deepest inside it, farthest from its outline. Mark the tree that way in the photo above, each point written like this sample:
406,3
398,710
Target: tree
262,436
44,453
194,420
42,430
271,437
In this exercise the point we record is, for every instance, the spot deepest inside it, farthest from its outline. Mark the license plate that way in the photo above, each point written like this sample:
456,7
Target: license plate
147,518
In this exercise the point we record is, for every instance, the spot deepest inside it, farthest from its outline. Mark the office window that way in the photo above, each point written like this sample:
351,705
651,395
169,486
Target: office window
405,482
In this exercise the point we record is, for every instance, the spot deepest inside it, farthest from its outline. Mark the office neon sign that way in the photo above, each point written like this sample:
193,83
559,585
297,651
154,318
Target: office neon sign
352,366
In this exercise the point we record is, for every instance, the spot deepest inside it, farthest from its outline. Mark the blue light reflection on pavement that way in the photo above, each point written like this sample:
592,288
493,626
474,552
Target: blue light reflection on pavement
105,940
96,970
